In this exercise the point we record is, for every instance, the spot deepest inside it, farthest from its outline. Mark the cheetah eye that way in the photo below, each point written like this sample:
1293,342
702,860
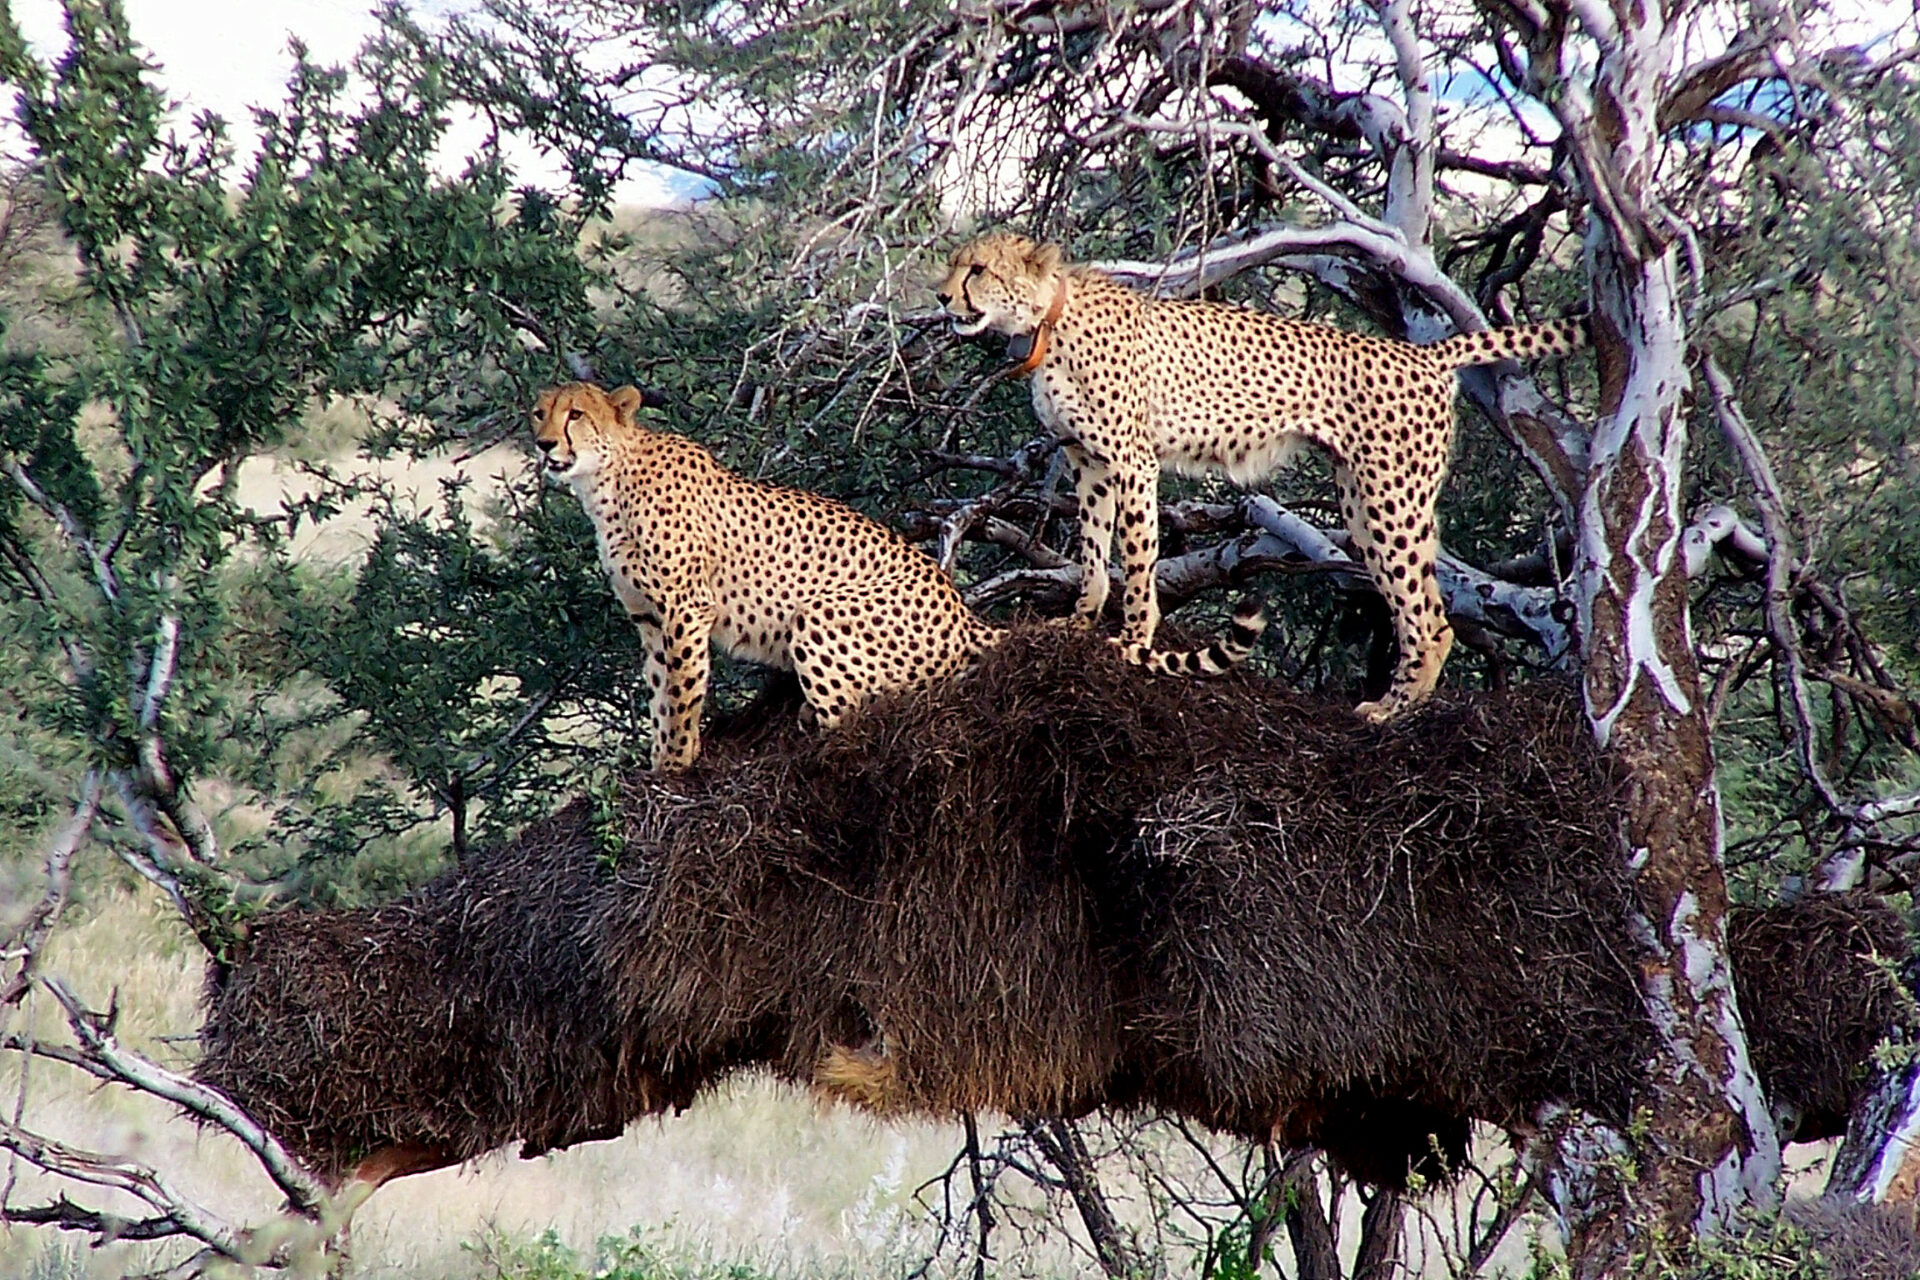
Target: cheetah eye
975,270
573,415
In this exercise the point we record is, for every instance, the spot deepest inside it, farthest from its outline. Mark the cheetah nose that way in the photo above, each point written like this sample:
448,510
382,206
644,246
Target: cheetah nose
545,446
946,299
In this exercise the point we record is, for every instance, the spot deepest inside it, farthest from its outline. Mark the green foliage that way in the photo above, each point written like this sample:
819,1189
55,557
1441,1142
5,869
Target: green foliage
216,299
636,1256
474,654
1232,1257
464,650
1820,270
1771,1248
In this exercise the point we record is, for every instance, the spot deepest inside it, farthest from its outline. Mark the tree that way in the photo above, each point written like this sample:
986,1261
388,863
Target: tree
214,299
1218,148
1734,200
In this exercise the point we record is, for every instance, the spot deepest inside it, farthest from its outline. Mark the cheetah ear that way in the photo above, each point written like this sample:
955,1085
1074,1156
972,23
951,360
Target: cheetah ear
625,400
1044,260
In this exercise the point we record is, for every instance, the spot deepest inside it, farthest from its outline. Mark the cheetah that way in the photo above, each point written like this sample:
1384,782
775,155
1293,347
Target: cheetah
775,575
1131,383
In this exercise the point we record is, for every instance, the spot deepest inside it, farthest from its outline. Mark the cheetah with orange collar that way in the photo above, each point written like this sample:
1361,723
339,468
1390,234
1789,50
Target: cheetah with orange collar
1131,383
778,576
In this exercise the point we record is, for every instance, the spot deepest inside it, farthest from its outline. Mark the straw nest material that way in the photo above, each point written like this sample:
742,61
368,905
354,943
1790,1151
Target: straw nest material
1053,885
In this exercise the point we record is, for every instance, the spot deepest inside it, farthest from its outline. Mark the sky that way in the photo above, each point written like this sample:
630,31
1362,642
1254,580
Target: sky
226,56
229,55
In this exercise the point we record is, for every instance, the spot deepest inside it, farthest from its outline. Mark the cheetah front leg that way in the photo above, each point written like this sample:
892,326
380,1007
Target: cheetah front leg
1118,498
1093,490
678,658
1136,484
1398,539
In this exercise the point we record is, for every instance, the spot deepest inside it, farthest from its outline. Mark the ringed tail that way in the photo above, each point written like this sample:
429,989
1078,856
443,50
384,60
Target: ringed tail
1249,620
1519,342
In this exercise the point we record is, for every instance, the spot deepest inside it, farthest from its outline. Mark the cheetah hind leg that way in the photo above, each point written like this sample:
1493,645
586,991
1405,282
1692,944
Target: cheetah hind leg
832,682
1413,682
1400,556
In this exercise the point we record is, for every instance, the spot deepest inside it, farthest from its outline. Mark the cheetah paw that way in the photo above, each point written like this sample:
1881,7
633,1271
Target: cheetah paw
1382,711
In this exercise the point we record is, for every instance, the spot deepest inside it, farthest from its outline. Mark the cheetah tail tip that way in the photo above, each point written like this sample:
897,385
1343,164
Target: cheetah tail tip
1249,621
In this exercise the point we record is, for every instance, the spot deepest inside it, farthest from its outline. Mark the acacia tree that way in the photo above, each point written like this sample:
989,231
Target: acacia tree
1735,204
1423,168
203,302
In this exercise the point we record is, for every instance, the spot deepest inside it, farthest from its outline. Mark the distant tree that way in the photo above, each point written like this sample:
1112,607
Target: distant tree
214,299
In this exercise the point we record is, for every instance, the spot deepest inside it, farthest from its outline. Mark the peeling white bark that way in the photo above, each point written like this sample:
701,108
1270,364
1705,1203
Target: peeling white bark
1880,1159
1846,867
1711,1150
1578,1162
1505,607
1626,566
1743,1180
1409,204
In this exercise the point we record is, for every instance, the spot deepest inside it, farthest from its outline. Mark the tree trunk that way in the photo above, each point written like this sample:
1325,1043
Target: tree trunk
1316,1253
1710,1148
1064,1149
1879,1162
1381,1228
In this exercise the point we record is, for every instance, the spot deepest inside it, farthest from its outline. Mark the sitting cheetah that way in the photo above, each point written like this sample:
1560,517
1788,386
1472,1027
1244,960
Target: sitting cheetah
775,575
1131,383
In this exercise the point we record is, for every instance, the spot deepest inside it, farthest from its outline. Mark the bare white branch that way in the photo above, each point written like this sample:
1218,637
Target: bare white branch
1882,1147
70,526
26,943
303,1190
1257,139
1721,529
139,1180
163,863
1409,204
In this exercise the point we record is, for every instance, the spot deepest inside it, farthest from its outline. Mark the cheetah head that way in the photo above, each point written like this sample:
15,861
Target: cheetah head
1001,282
574,424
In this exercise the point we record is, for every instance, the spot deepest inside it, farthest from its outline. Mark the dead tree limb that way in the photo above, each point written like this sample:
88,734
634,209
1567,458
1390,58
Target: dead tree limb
1060,1143
1780,571
139,1180
94,1030
26,944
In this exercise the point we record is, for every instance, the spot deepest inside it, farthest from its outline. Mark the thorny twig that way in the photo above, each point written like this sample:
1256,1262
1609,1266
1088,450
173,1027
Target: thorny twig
99,1053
